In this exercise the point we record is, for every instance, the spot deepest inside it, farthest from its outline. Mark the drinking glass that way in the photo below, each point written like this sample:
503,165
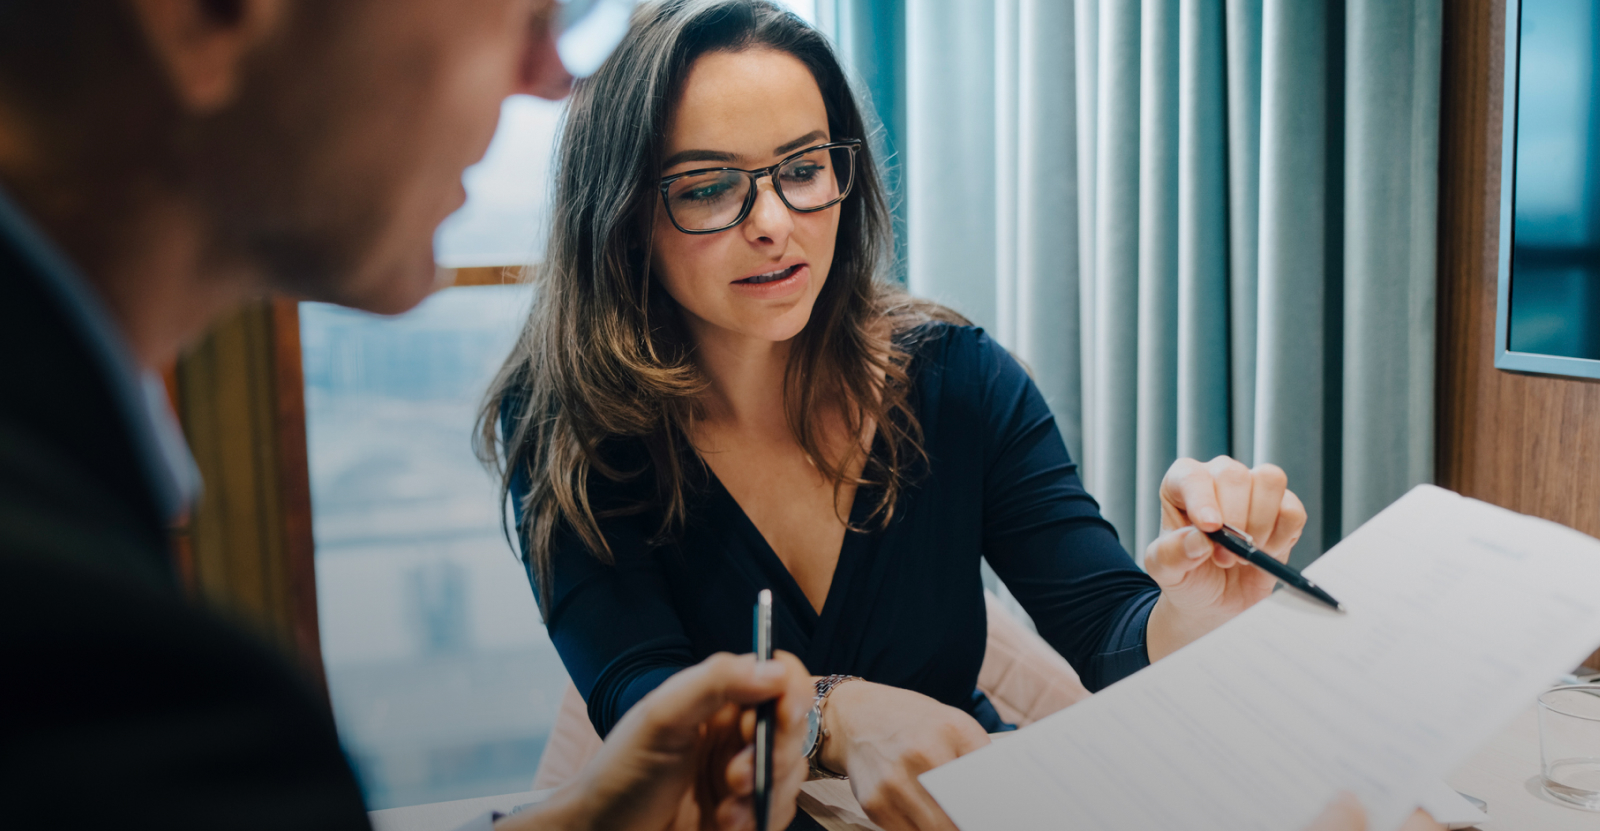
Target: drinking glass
1569,744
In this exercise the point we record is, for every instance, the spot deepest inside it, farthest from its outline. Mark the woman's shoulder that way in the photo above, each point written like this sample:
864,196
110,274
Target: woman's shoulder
950,348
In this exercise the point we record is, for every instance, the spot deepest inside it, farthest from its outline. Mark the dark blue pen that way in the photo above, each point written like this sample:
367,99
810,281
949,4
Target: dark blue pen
1241,544
766,712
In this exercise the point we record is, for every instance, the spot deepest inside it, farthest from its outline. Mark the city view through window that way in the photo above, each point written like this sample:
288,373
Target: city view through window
443,682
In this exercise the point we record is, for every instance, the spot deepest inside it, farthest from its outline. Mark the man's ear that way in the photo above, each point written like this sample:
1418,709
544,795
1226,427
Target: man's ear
541,73
204,44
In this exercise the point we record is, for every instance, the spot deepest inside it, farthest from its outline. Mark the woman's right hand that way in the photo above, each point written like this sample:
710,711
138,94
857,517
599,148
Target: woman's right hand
883,738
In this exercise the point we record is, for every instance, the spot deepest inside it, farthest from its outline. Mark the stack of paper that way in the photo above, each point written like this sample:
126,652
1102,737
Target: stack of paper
1458,614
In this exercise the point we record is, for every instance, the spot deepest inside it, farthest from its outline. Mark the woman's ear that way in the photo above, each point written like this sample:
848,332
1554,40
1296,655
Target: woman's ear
204,45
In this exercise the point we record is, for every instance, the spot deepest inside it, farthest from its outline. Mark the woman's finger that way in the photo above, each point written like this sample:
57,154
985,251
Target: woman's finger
1291,522
923,811
1268,484
1176,553
1189,497
1233,484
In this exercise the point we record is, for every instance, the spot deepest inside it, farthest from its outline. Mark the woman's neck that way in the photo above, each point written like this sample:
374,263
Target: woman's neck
747,377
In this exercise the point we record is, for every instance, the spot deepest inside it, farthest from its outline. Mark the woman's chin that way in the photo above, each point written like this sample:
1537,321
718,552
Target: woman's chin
779,330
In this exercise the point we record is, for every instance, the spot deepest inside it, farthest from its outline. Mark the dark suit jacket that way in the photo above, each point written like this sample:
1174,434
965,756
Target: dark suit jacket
121,703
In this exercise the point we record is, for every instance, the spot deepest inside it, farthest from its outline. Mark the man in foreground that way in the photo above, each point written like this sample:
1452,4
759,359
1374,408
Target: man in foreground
162,161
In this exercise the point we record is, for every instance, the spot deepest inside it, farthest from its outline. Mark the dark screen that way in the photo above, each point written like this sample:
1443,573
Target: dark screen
1555,254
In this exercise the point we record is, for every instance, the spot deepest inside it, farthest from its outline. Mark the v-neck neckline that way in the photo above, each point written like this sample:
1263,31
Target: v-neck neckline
794,596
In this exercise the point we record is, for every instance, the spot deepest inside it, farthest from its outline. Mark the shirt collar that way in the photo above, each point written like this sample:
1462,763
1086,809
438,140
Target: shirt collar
140,394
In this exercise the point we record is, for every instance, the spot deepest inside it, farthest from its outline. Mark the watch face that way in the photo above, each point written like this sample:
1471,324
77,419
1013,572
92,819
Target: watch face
813,726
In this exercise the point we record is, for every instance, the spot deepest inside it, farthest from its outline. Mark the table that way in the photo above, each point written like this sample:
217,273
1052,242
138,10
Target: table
1504,772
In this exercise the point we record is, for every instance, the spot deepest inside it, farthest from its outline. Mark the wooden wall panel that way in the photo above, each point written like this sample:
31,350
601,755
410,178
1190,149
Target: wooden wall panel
1529,443
241,400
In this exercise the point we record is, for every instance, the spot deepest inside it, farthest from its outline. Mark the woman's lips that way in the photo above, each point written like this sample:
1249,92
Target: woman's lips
771,276
774,284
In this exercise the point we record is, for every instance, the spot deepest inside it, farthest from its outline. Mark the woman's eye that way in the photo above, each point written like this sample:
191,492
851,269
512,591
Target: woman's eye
803,173
704,192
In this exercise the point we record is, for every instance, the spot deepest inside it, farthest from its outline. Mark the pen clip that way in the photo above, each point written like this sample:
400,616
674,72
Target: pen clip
1239,535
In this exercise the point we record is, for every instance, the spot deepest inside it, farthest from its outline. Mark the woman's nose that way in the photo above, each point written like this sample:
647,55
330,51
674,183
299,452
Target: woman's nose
769,218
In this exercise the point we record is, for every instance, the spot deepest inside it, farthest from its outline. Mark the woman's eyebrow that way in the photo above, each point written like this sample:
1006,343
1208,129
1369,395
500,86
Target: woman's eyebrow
799,142
724,156
698,156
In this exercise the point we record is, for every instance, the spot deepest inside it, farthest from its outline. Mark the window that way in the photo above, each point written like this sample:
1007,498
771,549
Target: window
444,683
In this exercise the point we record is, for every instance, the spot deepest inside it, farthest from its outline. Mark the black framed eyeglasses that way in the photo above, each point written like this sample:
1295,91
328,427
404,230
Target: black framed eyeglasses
718,198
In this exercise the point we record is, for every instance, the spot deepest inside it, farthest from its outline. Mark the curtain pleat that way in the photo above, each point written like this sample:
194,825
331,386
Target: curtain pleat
1006,184
1112,478
1157,383
1392,111
1047,313
1203,321
1244,202
1206,225
950,153
1085,23
1292,291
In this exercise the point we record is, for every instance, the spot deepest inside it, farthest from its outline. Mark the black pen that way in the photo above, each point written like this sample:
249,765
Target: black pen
1241,544
766,712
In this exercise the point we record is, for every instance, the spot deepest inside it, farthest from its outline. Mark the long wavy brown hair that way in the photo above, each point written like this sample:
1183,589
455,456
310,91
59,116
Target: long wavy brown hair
605,356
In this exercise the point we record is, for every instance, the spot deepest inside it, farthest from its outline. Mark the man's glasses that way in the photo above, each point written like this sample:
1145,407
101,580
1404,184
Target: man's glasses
586,32
715,199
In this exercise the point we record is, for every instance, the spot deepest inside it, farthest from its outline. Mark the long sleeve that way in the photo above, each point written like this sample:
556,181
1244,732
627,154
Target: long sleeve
1043,533
123,703
614,625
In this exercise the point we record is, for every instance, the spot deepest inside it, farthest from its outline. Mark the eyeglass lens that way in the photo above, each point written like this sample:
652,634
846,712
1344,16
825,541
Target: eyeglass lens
715,199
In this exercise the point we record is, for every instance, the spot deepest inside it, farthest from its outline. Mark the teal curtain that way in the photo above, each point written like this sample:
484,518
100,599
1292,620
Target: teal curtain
1206,225
870,36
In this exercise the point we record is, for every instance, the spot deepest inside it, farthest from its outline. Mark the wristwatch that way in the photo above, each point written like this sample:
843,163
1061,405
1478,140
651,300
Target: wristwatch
816,734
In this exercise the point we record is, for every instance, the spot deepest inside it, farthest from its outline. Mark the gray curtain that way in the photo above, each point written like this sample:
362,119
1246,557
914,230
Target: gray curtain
1206,225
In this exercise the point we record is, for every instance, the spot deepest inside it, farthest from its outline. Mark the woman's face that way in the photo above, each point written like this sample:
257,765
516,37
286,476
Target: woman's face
759,279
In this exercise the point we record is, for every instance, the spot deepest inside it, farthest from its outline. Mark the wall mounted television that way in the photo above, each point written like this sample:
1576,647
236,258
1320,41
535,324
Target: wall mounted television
1547,317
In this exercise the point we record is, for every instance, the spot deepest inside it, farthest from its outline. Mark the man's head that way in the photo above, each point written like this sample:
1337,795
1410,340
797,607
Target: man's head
312,145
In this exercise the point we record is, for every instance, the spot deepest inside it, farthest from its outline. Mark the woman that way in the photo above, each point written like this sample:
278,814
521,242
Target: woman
719,391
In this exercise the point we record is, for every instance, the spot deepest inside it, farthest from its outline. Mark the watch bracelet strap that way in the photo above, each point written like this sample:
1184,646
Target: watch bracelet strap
825,687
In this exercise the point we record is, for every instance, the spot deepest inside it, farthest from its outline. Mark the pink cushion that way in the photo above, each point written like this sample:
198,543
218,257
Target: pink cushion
1023,676
573,742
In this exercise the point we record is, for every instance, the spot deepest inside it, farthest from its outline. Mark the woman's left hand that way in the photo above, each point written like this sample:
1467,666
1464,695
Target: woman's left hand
1202,584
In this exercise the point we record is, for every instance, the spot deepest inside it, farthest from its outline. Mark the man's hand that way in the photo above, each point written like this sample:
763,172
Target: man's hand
1345,814
683,754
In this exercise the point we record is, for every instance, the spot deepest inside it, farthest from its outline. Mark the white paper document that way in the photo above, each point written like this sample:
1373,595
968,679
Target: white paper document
1459,613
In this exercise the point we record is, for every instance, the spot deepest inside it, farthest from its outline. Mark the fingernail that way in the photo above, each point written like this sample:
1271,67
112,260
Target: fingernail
1197,545
1209,516
769,670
